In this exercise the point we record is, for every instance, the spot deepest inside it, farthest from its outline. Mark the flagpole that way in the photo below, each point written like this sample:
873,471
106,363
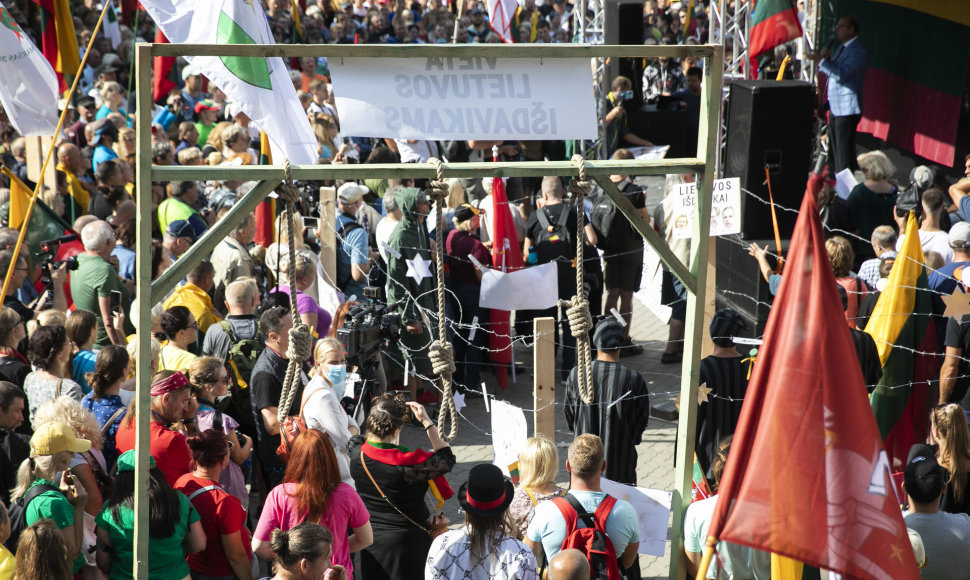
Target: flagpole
50,151
706,559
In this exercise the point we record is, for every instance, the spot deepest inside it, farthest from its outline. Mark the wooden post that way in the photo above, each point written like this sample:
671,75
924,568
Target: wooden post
36,150
544,365
710,297
328,234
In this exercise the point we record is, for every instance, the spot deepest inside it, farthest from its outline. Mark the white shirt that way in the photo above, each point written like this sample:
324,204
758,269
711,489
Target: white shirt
323,412
384,229
418,151
450,559
938,242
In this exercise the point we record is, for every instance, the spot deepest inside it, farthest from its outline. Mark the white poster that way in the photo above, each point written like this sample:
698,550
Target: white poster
509,433
533,288
650,285
725,210
653,511
465,98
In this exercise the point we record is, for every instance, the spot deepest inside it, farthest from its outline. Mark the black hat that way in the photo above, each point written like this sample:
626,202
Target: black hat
487,492
725,325
923,476
608,335
85,101
465,212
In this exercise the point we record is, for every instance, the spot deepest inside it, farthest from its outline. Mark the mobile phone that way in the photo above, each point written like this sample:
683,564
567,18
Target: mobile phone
627,95
311,222
405,394
115,301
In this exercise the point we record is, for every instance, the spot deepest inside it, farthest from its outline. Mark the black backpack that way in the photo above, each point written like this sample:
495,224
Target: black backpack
18,514
240,359
555,241
613,230
345,271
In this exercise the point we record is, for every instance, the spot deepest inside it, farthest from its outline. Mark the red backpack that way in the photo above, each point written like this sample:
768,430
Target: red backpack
591,540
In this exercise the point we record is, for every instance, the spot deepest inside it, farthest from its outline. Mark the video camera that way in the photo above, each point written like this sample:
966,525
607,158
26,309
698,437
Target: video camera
367,327
48,249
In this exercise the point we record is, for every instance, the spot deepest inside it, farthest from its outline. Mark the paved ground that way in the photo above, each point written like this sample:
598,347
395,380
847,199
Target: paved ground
655,467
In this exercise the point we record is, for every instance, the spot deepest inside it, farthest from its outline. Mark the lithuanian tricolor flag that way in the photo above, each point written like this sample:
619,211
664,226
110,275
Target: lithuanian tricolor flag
266,210
59,42
773,22
918,54
902,327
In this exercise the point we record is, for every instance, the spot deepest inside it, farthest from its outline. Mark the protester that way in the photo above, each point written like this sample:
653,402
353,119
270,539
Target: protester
181,329
14,367
353,255
194,295
871,202
312,491
82,330
170,393
50,351
8,562
96,279
569,564
223,518
948,430
486,546
538,467
37,553
174,528
231,259
62,499
304,552
620,426
321,406
299,277
104,400
210,381
14,447
883,242
841,258
384,469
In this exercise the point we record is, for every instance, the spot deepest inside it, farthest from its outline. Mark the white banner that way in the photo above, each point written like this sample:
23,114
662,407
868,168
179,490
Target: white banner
28,85
725,211
509,433
653,511
533,288
465,98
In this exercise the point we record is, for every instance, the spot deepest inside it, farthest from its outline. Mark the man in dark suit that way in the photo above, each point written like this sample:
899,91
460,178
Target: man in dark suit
846,70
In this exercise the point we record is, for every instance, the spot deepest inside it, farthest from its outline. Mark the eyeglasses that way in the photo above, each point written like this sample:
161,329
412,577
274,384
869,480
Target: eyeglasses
194,325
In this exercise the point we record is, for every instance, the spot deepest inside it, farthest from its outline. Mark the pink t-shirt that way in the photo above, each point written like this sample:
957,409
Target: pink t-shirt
346,510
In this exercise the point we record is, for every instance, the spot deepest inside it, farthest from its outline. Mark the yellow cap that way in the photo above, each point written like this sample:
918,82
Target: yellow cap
53,438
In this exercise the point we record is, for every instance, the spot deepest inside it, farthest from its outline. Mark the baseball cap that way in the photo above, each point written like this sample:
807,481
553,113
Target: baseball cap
181,229
52,438
351,192
126,461
466,212
190,71
109,67
104,127
960,235
608,335
206,104
923,476
85,101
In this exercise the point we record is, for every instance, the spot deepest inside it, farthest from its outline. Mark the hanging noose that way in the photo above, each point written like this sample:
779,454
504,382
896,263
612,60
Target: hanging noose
577,308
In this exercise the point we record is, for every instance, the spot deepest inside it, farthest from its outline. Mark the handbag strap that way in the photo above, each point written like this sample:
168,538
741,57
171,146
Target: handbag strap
111,421
377,487
57,389
202,490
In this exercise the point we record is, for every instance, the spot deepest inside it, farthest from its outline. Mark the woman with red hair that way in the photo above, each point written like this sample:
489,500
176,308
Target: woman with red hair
312,491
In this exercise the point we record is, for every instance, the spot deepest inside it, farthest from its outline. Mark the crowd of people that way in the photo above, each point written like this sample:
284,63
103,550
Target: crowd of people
347,499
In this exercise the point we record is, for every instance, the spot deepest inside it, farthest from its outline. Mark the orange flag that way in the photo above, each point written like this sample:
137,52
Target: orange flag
808,477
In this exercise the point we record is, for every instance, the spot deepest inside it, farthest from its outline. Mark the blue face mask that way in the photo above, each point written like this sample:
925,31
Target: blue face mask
337,375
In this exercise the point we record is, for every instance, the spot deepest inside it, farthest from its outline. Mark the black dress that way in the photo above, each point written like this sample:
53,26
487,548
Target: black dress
400,548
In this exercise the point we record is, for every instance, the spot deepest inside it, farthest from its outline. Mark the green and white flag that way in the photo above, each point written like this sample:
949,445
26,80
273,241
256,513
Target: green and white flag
112,29
259,87
28,84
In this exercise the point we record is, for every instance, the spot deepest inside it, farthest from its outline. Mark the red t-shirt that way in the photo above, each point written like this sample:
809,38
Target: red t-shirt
222,514
168,447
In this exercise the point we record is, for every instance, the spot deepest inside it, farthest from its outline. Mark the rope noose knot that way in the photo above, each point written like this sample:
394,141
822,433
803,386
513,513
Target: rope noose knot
437,187
442,357
301,342
577,311
285,190
579,317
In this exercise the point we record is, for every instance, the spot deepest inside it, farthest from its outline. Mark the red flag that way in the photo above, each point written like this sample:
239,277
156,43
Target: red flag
807,476
506,257
58,40
162,70
773,22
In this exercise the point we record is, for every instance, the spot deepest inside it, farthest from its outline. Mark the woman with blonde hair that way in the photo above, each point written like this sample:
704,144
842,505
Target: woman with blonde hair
279,249
325,130
871,202
112,97
210,384
61,499
301,275
125,147
321,401
948,427
127,392
538,466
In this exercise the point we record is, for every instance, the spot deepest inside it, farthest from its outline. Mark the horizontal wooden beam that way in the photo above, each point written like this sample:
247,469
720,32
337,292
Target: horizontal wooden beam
424,170
436,50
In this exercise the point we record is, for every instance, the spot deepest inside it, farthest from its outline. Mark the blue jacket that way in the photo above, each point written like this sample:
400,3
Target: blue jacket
846,71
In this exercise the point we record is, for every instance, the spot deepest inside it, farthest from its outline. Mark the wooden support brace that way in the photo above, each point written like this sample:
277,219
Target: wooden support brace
544,365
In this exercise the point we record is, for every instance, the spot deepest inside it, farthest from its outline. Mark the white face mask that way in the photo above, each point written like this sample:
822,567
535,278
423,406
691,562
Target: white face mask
337,375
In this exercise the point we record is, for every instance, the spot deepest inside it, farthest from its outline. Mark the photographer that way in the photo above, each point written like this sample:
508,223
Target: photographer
617,122
21,277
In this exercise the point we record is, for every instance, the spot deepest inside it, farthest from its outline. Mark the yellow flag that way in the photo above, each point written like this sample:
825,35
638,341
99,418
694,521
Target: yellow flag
783,568
20,196
295,13
68,54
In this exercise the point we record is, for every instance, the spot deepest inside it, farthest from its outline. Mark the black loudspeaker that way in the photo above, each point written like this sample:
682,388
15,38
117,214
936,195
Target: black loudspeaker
623,24
740,284
769,125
